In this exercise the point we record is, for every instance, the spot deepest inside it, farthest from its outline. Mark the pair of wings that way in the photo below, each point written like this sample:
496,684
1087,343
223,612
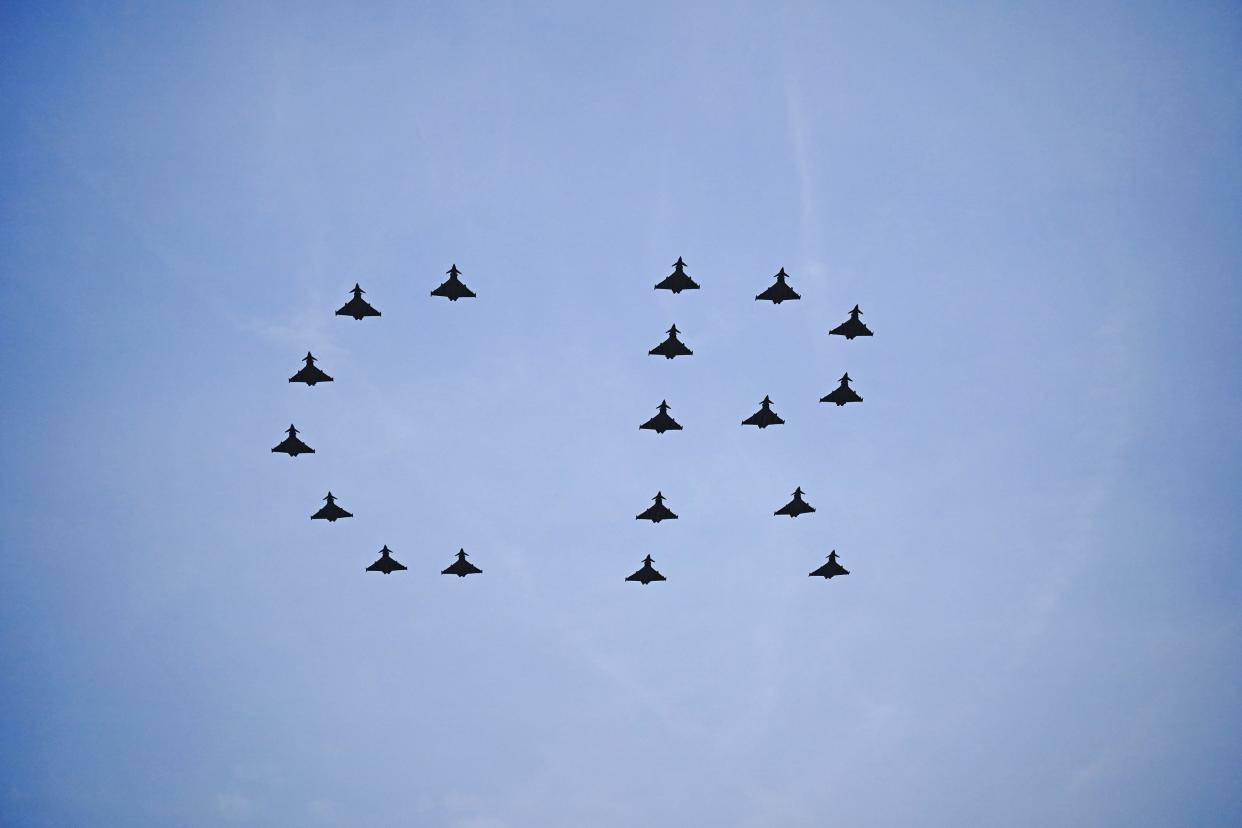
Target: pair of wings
762,418
462,568
293,447
778,293
451,290
331,513
357,308
662,422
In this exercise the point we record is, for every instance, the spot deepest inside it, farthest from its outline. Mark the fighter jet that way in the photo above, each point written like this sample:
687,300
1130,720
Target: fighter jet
842,394
357,307
310,374
662,422
765,416
795,507
658,512
830,569
852,327
451,288
461,567
677,281
291,445
331,511
386,563
780,291
671,346
647,574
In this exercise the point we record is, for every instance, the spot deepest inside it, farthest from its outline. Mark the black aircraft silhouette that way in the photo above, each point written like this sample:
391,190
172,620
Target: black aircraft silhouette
662,422
647,574
461,567
357,307
842,394
852,327
780,291
658,512
765,416
386,563
310,374
291,445
331,511
677,281
452,288
830,569
795,507
671,346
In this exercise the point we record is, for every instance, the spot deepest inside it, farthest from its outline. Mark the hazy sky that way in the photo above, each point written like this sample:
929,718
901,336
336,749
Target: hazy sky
1036,206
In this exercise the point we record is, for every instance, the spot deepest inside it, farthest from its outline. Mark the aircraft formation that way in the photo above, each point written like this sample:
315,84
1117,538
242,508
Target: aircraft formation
358,308
671,347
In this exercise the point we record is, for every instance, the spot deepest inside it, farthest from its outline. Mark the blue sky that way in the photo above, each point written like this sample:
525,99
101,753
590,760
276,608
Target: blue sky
1034,204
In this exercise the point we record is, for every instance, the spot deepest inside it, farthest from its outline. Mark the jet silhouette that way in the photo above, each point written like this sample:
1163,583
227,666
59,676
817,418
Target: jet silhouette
331,511
830,569
852,327
291,445
765,416
658,512
357,307
795,507
842,394
310,374
386,563
461,567
647,574
671,346
452,288
677,281
780,291
662,422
